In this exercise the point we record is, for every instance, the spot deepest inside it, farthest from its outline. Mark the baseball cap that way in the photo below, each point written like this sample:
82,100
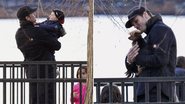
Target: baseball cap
133,13
25,11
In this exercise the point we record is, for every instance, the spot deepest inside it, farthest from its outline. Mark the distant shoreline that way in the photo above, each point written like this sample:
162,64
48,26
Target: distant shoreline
79,8
3,17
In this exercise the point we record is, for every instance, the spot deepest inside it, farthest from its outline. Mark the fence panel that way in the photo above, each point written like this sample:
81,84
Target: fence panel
15,84
127,87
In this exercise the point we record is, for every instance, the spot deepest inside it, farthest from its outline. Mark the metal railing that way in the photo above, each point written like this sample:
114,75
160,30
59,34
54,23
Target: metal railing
14,84
128,93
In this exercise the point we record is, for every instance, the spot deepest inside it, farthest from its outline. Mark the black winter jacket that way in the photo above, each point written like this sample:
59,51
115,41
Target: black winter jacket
158,54
35,43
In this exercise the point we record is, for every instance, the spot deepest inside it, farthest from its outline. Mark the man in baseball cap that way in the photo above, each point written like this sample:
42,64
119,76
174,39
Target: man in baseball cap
151,56
25,11
133,13
37,44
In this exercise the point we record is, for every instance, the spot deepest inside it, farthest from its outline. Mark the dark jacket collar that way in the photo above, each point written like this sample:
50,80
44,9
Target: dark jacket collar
151,22
25,23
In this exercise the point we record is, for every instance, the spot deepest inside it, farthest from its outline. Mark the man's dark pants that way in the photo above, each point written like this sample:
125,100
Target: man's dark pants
41,92
153,96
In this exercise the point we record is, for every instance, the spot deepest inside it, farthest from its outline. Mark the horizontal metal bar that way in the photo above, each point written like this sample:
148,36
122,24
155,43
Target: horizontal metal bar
44,80
140,79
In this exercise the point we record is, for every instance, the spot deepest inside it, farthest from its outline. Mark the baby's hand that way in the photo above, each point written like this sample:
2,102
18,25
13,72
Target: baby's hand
135,34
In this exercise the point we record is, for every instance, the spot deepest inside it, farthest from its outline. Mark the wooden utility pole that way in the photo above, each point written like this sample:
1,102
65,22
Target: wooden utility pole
89,97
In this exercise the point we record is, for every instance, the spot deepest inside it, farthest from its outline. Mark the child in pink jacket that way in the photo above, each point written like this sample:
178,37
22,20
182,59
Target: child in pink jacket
76,88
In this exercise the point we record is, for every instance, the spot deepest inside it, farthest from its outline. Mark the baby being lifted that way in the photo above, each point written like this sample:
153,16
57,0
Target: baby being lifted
53,24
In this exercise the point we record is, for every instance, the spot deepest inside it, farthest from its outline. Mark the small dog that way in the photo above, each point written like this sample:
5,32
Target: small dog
135,37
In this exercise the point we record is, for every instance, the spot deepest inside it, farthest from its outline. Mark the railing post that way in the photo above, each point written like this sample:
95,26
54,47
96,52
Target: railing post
159,92
4,84
46,83
135,91
123,92
110,92
183,91
173,91
22,85
72,83
98,92
146,91
64,72
13,84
